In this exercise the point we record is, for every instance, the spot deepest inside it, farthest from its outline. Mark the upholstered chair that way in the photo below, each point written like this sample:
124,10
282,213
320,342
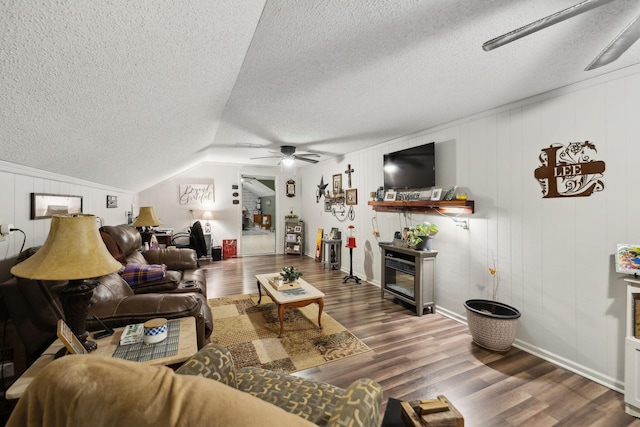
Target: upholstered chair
320,403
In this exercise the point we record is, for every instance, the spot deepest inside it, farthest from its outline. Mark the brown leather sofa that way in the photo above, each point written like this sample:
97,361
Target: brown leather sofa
35,308
182,275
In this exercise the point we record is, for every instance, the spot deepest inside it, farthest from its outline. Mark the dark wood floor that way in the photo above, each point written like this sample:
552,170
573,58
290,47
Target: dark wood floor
421,357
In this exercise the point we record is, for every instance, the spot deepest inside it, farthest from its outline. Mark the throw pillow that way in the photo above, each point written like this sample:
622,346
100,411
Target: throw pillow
137,274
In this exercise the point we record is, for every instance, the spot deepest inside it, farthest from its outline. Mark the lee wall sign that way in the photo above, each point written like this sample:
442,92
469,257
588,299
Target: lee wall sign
570,171
196,194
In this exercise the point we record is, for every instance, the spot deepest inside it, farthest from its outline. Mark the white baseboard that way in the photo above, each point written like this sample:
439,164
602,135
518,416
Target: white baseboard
588,373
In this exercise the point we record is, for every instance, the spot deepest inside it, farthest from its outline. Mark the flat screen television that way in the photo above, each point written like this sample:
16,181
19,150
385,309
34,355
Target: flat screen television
411,168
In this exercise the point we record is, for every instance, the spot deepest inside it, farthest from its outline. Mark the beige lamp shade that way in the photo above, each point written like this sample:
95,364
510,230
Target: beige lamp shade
207,215
147,217
73,250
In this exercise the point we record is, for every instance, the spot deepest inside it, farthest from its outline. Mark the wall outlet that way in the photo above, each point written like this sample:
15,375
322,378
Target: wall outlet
8,370
5,230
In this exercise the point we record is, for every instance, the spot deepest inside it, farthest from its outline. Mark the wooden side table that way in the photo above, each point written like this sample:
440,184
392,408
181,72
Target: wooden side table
332,254
187,347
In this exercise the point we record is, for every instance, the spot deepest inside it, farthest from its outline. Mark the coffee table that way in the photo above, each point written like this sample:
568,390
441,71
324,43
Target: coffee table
308,295
187,347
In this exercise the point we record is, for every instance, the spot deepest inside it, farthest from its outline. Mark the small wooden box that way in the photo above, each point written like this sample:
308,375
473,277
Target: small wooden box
413,416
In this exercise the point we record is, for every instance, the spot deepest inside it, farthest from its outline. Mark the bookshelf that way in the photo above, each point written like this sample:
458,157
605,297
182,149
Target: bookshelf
632,349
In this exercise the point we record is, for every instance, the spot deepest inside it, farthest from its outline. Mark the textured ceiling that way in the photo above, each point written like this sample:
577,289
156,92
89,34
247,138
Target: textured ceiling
128,93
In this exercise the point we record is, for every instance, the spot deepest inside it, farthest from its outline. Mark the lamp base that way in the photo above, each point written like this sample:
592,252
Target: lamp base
75,297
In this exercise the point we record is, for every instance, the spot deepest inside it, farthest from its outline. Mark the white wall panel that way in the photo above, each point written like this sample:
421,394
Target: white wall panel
554,255
17,183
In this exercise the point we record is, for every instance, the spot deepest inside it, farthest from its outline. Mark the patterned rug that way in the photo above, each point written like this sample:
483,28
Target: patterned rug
250,332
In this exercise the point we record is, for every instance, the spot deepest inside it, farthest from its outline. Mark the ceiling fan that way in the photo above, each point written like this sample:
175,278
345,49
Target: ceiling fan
287,156
627,37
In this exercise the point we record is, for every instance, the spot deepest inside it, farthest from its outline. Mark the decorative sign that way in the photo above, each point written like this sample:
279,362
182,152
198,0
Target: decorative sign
570,171
320,190
196,194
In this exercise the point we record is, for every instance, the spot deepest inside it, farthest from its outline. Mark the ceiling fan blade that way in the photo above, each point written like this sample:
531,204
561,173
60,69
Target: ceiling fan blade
304,159
265,157
543,23
618,46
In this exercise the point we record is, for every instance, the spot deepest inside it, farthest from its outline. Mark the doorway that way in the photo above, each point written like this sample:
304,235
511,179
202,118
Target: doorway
258,215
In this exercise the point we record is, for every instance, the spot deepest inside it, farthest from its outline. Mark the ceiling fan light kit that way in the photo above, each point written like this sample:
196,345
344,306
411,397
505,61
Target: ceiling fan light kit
288,157
613,51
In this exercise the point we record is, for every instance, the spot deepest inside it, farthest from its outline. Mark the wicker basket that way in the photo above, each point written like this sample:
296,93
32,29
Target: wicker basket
493,325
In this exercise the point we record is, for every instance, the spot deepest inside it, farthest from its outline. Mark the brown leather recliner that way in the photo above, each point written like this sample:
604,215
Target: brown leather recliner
35,308
183,275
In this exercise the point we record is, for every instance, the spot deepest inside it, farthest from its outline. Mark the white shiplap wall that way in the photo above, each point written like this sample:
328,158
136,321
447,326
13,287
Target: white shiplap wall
16,185
555,256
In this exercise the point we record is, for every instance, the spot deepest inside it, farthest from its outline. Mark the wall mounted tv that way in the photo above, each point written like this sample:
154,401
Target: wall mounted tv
411,168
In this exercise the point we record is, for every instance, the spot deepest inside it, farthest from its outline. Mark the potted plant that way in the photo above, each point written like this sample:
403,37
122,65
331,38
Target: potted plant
419,236
492,324
290,274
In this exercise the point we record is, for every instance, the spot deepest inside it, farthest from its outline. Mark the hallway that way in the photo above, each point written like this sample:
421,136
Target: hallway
258,242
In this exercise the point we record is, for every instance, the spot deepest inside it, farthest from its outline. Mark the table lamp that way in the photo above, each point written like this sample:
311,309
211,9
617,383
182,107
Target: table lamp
208,215
146,218
73,251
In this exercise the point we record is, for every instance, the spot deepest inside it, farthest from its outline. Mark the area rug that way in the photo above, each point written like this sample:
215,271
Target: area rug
250,332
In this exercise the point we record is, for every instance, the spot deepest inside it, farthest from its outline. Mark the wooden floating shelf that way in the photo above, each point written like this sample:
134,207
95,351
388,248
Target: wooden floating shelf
443,206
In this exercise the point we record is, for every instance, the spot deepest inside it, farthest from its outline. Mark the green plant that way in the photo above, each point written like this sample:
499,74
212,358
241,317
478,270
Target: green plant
417,232
290,274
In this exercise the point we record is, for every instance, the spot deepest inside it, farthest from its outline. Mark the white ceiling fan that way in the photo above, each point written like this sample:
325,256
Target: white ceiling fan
287,156
627,37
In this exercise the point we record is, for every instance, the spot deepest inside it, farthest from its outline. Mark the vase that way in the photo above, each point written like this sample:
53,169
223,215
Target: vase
424,244
420,245
427,244
492,325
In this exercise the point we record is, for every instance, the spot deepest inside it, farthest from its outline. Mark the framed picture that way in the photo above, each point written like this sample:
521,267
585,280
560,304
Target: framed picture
196,194
291,238
390,196
333,234
449,194
628,258
327,206
45,205
436,193
291,188
297,229
112,202
69,340
352,196
337,183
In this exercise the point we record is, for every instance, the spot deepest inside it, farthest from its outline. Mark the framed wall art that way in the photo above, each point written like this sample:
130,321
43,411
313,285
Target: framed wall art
352,196
45,205
337,183
436,193
627,258
390,196
112,202
196,194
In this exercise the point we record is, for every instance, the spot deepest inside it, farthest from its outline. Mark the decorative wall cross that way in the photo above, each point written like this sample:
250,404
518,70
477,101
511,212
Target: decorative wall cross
349,171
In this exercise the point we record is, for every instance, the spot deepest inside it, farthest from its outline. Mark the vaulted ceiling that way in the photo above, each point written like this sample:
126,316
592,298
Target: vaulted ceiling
127,93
